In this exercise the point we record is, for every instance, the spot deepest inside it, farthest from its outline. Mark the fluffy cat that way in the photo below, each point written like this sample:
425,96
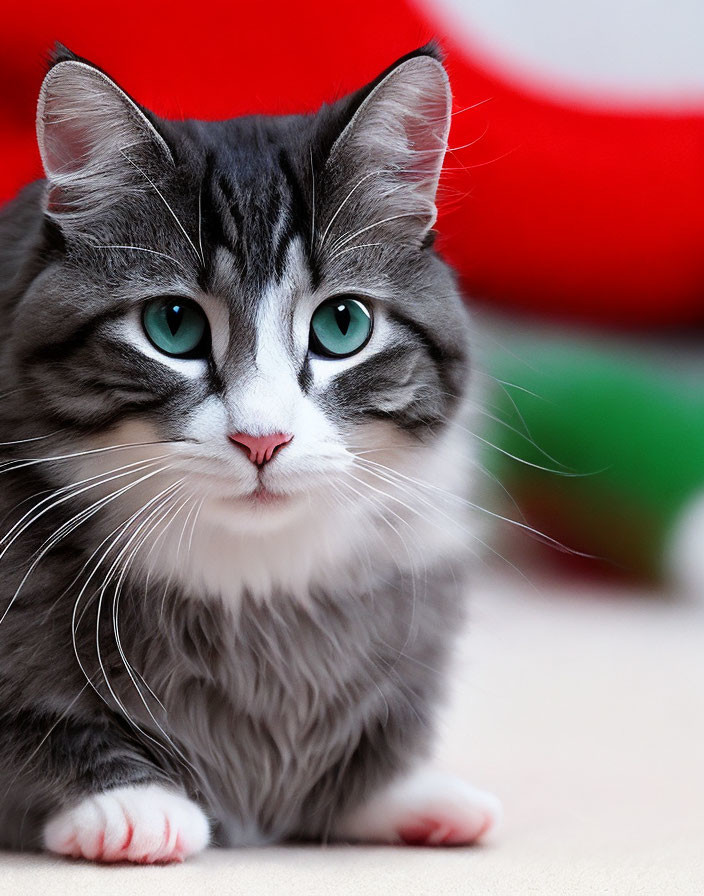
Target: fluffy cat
233,555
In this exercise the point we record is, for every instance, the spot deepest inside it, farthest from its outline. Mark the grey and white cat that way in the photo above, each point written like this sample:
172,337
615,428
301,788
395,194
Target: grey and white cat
232,557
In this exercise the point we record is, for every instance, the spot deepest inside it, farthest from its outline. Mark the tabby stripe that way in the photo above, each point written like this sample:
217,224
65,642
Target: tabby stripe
439,355
299,221
60,351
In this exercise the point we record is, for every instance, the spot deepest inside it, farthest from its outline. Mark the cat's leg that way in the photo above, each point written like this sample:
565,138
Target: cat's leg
428,808
144,824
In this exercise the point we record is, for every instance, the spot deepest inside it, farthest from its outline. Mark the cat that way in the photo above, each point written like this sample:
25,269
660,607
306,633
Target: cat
235,545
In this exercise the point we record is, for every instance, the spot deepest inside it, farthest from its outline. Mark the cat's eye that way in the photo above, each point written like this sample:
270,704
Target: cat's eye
177,327
340,327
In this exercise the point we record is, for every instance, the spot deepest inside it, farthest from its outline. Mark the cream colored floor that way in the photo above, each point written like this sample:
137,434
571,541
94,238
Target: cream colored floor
583,708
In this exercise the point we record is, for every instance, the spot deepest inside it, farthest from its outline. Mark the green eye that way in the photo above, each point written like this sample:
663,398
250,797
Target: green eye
177,327
340,327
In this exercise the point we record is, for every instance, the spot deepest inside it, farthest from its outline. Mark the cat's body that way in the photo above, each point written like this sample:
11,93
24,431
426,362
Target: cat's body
262,642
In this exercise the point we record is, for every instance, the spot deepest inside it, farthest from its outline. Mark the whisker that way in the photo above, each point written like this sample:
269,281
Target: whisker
527,463
312,175
525,436
353,248
21,463
66,528
102,502
452,530
547,539
110,688
200,222
115,532
155,544
24,441
168,206
195,521
101,592
412,568
476,105
345,200
162,509
68,492
149,251
178,549
342,241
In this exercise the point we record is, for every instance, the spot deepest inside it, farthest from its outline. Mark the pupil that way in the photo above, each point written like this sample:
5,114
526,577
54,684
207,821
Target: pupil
174,316
343,318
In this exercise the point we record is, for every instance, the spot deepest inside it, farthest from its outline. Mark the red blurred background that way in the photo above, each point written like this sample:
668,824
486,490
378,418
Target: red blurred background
592,211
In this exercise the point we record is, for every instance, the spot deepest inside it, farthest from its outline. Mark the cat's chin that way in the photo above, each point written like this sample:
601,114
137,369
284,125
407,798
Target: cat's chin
264,497
259,509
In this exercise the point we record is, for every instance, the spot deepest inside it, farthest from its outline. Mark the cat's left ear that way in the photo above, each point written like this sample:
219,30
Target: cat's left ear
97,146
392,149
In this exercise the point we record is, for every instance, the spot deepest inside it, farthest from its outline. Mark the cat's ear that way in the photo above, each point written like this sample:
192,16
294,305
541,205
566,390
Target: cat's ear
97,146
392,149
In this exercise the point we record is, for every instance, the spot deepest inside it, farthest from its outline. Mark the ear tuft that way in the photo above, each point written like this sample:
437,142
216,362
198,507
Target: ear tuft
61,53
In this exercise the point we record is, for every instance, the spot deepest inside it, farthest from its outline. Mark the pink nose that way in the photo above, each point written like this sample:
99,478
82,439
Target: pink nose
260,449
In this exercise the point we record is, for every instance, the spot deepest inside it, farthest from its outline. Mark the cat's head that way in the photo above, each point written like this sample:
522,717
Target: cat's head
258,296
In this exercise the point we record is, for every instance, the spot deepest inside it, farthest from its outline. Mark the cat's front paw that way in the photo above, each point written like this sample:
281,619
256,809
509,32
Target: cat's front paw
426,809
144,824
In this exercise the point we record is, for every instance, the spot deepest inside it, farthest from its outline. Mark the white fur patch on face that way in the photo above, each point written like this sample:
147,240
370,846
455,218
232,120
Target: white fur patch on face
344,515
392,508
193,527
145,825
329,507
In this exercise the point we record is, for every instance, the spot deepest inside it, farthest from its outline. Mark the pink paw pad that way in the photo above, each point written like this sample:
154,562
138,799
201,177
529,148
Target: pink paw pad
144,825
439,831
426,809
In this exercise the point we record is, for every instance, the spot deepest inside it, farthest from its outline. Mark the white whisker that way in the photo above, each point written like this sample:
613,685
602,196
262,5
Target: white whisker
200,222
344,202
547,539
162,509
454,530
24,441
178,550
21,463
312,226
95,479
342,241
66,529
412,568
354,248
149,251
101,592
168,206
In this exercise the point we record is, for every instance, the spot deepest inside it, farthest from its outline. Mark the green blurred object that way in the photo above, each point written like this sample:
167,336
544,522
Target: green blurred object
621,441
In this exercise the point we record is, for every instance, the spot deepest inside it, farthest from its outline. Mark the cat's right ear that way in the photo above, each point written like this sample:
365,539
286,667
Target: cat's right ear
383,169
97,146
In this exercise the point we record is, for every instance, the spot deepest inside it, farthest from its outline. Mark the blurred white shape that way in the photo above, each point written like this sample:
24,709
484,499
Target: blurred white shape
622,49
684,557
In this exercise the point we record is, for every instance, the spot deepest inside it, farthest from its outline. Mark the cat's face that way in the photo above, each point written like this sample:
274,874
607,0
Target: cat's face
258,297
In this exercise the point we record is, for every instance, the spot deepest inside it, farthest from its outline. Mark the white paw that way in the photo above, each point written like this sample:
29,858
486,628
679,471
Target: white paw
426,809
144,824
